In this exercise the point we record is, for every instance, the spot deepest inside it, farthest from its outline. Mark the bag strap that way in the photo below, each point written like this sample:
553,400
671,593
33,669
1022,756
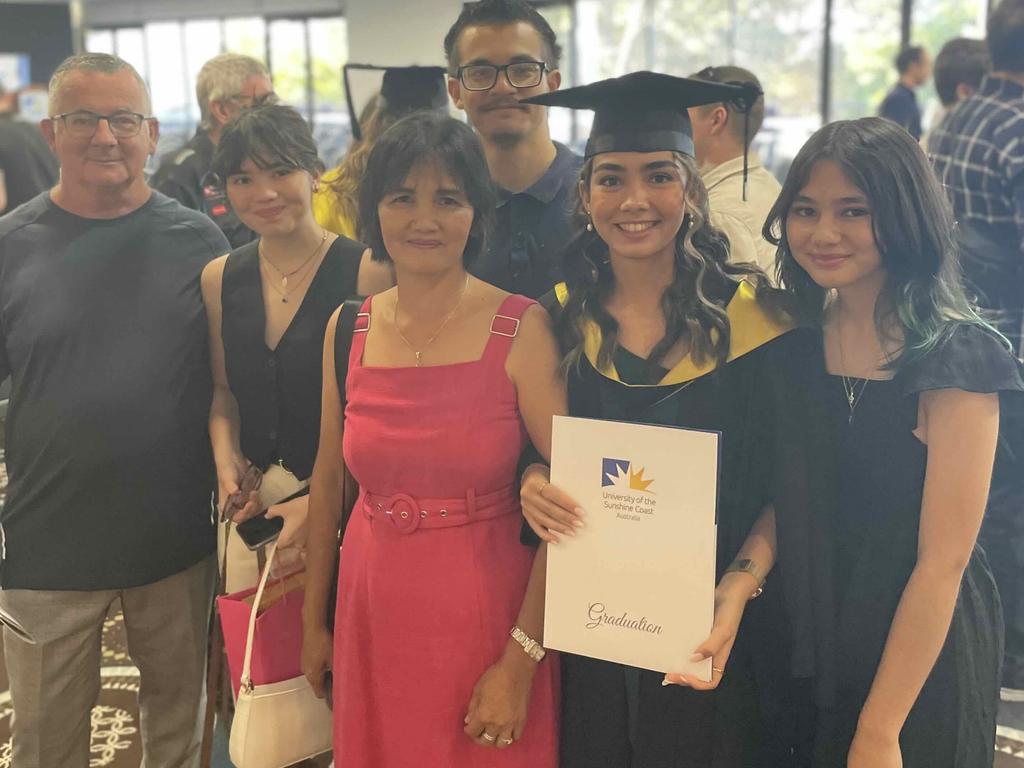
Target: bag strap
343,343
253,614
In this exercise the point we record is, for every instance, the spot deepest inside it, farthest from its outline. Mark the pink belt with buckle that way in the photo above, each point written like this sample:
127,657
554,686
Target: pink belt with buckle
408,513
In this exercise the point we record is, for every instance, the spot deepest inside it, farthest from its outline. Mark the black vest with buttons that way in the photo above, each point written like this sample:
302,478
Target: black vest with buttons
278,391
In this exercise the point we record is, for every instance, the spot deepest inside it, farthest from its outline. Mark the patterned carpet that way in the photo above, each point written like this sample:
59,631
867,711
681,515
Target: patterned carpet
115,736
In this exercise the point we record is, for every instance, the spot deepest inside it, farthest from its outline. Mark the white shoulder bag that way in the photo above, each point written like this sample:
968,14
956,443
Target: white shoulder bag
276,724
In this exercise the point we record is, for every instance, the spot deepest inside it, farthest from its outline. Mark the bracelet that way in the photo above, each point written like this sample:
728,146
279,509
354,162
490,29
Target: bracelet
532,648
751,568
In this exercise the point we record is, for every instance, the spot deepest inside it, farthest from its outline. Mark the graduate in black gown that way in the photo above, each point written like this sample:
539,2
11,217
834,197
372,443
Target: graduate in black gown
907,381
658,327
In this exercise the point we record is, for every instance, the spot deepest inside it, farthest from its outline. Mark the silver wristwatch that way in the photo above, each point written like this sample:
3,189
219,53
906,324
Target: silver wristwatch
533,649
746,565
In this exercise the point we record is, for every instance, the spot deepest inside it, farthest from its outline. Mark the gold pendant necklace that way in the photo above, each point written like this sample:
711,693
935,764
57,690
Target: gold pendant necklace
418,353
283,293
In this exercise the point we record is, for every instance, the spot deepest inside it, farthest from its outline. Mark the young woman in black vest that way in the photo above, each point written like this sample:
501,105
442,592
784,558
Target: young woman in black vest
268,303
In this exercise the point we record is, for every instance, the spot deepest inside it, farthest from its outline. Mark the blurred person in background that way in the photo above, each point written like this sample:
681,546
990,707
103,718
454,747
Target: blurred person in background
404,90
740,190
978,154
226,85
27,164
958,72
900,105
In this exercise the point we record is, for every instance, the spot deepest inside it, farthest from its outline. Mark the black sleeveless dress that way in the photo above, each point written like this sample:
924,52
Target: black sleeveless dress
880,474
278,390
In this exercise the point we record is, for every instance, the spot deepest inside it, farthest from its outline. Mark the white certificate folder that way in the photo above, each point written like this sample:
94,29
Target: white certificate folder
636,584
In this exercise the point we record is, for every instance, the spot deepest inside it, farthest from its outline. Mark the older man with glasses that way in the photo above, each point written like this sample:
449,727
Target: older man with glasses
501,51
104,336
225,86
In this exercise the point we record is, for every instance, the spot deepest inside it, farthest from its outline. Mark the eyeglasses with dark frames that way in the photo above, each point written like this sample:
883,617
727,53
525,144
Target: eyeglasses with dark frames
83,123
519,74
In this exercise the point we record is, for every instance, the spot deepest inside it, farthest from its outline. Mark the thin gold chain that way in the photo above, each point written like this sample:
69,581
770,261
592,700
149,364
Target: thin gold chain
308,259
284,291
418,353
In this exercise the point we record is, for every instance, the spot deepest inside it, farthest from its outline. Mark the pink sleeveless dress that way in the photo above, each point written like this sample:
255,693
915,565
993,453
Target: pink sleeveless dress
432,571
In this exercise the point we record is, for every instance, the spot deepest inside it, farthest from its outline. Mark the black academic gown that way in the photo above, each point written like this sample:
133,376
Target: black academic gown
619,717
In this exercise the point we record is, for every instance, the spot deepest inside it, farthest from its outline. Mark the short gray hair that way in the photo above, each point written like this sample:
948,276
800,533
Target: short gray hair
222,77
104,63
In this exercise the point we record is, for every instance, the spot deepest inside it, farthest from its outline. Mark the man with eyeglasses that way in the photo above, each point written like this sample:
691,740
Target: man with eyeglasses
104,336
501,51
225,86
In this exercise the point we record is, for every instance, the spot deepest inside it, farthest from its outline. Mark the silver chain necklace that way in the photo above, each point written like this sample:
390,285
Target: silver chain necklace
853,396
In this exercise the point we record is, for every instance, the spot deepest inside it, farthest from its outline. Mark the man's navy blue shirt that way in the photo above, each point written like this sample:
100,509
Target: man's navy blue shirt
533,227
900,106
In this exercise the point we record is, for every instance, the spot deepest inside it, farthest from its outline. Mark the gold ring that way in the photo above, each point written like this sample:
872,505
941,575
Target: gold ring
719,671
540,491
506,742
488,738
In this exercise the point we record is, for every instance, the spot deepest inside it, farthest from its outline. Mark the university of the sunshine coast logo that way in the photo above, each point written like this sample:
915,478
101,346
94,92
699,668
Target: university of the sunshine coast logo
619,473
625,491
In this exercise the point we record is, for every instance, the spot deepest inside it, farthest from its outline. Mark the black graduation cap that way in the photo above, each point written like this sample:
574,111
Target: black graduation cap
403,90
646,111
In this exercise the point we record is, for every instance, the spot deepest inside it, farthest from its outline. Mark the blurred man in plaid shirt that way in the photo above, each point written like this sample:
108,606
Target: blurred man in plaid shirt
978,153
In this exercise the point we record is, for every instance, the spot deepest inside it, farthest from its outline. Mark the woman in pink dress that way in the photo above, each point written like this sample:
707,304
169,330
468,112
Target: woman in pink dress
435,654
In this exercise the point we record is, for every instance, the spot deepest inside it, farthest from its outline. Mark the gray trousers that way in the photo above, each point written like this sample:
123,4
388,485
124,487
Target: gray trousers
55,682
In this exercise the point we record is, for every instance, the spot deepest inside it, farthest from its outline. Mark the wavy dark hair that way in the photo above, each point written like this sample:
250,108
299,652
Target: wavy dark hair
427,137
693,305
270,135
913,227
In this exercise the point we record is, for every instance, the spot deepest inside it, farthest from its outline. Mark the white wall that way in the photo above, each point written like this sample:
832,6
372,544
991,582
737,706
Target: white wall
389,32
101,13
397,32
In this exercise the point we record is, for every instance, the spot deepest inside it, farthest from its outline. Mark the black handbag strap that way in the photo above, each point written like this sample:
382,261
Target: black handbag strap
343,343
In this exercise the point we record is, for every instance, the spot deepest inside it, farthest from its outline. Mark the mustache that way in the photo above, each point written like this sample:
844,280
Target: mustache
505,103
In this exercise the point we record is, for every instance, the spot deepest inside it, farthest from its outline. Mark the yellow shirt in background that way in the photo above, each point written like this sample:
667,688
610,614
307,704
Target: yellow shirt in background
327,209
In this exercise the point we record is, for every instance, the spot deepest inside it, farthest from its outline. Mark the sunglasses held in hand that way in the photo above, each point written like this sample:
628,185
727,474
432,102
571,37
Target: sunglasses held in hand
251,481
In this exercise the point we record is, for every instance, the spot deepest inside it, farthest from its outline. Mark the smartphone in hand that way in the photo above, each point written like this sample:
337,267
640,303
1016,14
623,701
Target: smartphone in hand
260,530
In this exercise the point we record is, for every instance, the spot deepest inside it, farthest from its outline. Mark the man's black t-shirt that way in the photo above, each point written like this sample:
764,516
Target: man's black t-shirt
28,165
103,332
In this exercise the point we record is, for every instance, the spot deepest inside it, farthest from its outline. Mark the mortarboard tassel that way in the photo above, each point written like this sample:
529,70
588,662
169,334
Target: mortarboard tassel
746,149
